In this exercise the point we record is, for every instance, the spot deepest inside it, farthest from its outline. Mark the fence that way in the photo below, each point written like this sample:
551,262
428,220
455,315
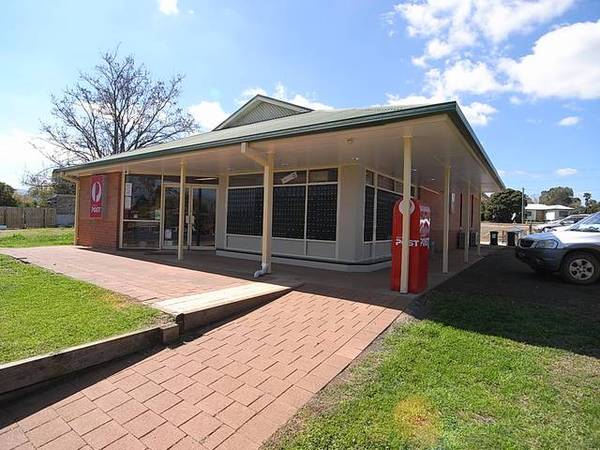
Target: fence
16,217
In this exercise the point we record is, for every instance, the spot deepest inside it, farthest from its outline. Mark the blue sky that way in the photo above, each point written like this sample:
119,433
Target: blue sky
527,73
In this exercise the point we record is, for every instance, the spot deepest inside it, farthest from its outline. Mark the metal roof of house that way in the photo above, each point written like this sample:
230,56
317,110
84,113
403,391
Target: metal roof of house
542,207
260,108
299,124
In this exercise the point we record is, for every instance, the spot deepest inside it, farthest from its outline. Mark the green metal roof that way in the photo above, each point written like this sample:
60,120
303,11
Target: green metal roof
296,125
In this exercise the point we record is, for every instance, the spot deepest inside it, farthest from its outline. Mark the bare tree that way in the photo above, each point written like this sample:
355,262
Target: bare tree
116,108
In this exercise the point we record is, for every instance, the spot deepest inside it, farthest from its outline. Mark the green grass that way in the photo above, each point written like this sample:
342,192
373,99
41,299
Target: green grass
466,378
36,237
42,312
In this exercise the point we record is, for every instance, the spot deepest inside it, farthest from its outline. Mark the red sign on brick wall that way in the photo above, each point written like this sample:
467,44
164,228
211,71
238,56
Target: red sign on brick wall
96,196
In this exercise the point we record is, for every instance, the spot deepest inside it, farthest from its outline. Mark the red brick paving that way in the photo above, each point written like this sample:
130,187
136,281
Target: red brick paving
125,275
230,388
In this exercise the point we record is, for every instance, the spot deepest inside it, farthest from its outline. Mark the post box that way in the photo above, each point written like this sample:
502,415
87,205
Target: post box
420,223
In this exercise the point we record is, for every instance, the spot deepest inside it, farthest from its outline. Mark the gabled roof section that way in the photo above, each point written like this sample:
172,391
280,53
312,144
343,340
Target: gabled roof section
260,108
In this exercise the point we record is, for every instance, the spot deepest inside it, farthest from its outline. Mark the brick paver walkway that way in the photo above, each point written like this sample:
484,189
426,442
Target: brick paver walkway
143,280
230,388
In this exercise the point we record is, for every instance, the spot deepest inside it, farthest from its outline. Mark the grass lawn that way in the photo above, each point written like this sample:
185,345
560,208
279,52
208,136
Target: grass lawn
41,311
468,377
36,237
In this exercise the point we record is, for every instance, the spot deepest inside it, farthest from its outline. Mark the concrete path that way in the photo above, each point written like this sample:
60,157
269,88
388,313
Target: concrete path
230,388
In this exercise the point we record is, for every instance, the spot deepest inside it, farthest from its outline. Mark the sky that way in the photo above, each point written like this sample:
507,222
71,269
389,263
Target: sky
526,73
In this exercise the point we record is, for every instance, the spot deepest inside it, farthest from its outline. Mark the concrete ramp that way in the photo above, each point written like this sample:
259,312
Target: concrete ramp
198,310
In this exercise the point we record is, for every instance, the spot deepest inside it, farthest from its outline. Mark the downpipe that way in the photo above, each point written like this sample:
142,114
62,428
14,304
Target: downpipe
264,270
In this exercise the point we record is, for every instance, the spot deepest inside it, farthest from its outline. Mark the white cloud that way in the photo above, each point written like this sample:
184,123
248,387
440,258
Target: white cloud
18,155
516,100
281,92
463,76
568,121
452,25
168,7
477,113
565,172
208,114
564,63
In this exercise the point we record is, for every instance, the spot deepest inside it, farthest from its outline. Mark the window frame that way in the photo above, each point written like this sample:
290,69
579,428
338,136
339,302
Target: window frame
276,186
375,185
123,220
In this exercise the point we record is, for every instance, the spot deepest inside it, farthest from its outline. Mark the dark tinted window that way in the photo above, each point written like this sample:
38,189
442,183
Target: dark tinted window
369,212
385,209
321,218
288,211
244,211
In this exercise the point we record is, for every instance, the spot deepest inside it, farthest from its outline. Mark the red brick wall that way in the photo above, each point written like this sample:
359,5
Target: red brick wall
100,232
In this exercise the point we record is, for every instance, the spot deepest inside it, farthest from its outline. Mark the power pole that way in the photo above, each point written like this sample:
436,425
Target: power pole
523,205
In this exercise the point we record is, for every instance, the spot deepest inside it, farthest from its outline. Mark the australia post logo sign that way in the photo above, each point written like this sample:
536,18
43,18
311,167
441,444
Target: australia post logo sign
96,196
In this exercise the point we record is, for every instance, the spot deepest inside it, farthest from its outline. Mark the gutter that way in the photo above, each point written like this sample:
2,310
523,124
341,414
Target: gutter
449,108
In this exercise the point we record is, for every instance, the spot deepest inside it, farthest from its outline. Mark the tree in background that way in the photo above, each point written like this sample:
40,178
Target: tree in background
7,195
589,205
42,186
502,205
559,196
116,108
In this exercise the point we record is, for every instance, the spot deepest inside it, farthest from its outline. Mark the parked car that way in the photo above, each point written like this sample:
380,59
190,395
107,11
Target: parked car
566,222
574,252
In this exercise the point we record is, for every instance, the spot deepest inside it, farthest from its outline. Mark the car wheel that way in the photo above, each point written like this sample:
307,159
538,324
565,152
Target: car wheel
580,268
545,230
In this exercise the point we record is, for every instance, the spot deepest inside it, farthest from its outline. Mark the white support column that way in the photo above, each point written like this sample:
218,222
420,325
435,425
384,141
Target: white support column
446,231
406,184
267,230
467,221
76,222
122,208
479,224
182,174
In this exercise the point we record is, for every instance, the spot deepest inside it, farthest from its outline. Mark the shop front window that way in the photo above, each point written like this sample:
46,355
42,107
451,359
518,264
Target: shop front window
141,211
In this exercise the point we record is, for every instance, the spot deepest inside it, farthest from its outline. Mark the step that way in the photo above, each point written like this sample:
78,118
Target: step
198,310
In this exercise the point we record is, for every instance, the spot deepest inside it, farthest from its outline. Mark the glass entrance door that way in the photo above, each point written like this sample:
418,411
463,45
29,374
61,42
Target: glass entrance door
203,204
171,217
200,215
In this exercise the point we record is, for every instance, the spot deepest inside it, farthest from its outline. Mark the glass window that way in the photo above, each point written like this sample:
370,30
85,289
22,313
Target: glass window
142,197
141,234
191,179
321,218
398,187
370,178
385,210
288,211
294,177
254,179
369,212
385,182
244,211
322,176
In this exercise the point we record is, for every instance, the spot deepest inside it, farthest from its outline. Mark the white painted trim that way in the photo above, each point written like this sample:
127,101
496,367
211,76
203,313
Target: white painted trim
122,208
181,223
324,264
406,195
446,220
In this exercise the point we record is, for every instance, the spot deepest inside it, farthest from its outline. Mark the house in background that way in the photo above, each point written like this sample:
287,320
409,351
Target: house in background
281,182
65,209
537,212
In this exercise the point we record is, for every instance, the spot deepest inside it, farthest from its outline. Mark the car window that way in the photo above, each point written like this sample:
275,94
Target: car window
590,223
